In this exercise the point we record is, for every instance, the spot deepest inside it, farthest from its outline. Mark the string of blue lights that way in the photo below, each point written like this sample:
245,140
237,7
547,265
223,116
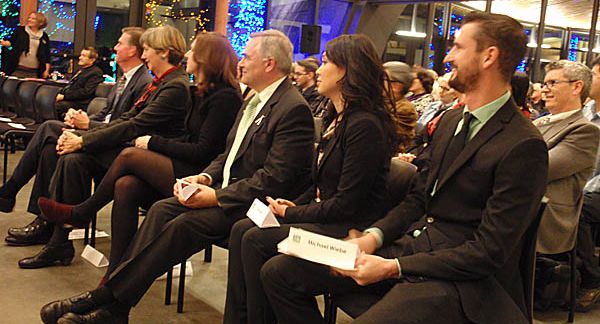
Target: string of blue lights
247,17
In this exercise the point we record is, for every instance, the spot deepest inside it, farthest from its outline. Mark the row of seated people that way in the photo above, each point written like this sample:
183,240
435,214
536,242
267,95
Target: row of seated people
454,241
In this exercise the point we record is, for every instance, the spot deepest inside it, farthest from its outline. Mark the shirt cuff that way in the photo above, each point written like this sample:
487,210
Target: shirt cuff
377,233
208,176
399,268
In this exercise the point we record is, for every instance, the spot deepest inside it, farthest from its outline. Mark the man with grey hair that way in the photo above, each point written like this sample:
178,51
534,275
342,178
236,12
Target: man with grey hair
268,153
572,146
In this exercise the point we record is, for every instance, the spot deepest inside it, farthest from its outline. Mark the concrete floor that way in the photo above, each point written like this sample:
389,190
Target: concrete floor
24,292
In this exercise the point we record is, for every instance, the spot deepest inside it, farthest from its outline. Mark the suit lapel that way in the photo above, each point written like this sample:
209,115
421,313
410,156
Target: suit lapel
550,131
130,85
491,128
262,117
329,148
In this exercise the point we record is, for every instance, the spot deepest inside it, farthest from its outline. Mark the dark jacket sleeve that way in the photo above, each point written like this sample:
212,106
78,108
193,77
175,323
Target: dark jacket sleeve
221,112
169,105
86,85
364,152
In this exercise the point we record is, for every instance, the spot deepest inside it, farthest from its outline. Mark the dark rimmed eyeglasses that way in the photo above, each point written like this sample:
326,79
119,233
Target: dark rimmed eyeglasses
551,83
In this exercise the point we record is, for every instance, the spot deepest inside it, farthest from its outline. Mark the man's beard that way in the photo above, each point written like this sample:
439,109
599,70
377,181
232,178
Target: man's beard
464,81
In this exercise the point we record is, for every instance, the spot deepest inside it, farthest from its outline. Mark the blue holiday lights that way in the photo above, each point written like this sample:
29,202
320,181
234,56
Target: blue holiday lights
573,46
247,17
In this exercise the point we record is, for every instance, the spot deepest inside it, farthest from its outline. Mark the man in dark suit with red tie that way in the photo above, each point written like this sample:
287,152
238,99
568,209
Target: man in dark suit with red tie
40,157
449,253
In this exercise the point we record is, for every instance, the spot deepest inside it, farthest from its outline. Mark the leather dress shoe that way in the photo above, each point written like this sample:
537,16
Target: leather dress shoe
81,304
98,316
7,204
587,299
50,255
36,232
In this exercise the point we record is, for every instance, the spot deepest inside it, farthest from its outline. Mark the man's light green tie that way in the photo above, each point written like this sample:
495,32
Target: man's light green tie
245,123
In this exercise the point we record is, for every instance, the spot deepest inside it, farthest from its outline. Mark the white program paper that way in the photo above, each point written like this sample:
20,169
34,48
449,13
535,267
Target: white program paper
17,125
261,215
5,120
94,257
319,248
187,189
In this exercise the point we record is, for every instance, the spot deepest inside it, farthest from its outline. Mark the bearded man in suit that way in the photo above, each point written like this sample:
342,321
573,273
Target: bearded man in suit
450,252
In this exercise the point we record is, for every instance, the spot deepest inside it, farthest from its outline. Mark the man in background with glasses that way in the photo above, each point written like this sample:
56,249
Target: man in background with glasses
572,145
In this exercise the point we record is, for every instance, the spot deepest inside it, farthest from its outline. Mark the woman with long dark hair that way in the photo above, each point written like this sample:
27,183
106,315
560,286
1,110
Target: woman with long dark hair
142,175
349,173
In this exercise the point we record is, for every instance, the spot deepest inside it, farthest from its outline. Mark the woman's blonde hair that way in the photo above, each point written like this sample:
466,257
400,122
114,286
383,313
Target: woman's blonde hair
40,18
165,38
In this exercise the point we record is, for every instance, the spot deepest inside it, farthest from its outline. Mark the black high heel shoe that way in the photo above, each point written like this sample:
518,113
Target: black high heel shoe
50,255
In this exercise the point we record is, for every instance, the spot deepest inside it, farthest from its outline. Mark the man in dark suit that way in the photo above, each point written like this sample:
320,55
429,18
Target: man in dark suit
449,253
40,157
268,152
82,87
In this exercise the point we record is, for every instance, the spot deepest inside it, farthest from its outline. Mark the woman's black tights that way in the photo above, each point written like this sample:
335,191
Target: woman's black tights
136,178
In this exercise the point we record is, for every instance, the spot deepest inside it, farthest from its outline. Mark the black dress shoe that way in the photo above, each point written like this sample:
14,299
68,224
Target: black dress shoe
36,232
50,255
79,304
98,316
7,204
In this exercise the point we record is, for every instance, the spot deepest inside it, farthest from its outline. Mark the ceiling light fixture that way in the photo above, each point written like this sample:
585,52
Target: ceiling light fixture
413,28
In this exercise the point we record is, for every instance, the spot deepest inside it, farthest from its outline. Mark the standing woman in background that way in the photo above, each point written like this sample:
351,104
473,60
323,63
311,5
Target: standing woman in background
27,53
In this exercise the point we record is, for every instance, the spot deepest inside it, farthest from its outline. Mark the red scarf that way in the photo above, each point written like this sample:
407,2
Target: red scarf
152,87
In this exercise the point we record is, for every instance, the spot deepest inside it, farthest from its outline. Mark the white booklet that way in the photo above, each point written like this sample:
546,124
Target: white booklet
187,189
319,248
261,215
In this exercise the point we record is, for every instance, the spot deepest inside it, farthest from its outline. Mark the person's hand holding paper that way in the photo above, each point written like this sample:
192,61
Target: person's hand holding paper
202,196
370,269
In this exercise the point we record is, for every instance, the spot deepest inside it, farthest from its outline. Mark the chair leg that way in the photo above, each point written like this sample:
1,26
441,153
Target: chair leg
572,301
93,233
208,253
181,288
168,287
330,311
5,161
86,235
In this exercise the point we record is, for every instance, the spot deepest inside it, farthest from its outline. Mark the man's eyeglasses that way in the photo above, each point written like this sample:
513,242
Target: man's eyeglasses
551,83
299,73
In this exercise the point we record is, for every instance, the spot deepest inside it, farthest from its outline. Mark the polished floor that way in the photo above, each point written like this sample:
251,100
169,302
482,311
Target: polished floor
24,292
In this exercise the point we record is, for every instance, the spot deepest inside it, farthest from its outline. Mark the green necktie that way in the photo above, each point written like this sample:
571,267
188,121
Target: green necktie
240,133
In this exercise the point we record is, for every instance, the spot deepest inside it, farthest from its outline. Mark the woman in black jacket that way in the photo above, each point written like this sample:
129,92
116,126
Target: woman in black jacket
142,175
349,174
27,53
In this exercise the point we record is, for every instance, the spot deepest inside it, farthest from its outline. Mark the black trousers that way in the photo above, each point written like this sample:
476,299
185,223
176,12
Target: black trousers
590,215
249,248
291,284
39,160
169,234
72,180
